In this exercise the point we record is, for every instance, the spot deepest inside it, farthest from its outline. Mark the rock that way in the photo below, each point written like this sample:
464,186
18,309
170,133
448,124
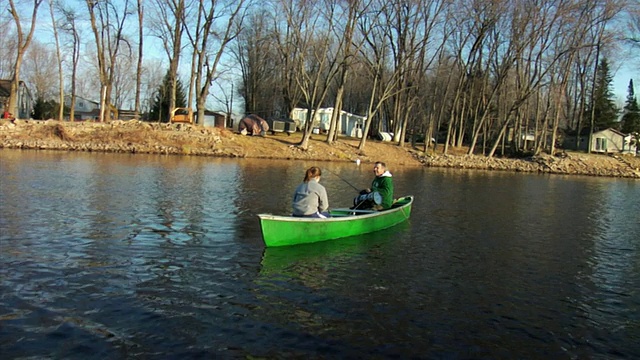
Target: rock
135,136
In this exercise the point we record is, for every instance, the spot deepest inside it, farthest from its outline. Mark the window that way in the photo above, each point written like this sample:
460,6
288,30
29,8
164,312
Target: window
601,144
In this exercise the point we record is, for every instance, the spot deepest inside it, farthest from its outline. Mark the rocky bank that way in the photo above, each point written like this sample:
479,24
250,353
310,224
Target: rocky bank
183,139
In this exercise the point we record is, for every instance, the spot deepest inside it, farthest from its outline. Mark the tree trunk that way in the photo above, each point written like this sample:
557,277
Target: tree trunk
22,45
174,61
335,116
500,137
140,9
370,115
308,128
59,57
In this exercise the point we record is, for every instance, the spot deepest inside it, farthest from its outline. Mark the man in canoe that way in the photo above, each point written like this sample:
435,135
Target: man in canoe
380,195
310,198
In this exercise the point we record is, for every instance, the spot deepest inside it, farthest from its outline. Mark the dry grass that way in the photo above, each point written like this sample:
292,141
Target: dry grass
133,136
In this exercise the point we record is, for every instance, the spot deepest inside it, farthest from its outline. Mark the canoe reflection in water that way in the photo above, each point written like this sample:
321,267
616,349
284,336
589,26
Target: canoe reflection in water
310,260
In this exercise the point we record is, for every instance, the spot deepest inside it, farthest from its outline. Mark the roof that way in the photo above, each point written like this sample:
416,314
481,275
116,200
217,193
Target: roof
617,132
85,99
213,113
586,131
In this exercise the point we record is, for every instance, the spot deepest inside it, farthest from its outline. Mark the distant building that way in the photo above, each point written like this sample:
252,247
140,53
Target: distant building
527,136
607,141
84,109
213,119
348,124
612,141
126,114
25,101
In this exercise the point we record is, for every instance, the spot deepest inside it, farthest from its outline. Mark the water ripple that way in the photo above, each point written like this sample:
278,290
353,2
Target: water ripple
161,257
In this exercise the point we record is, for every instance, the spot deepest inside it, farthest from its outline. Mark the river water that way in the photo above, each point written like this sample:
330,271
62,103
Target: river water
135,256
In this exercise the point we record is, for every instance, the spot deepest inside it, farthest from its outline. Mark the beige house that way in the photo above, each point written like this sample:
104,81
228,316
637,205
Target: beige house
612,141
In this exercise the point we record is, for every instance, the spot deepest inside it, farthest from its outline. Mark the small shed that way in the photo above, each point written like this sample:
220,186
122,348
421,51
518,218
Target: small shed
352,125
214,119
282,125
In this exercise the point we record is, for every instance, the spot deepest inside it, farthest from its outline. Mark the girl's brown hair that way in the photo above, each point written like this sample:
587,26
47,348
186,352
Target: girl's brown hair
311,173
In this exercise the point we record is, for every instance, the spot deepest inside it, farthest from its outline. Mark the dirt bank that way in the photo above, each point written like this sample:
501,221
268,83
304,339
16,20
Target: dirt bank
180,139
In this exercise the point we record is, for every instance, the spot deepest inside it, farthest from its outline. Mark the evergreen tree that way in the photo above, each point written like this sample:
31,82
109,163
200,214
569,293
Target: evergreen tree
605,110
43,109
631,117
160,108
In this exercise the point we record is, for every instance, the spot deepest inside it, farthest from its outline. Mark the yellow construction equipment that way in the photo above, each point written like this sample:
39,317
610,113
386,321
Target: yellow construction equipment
182,115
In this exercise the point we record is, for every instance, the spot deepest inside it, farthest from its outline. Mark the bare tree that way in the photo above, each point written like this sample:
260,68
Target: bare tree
530,29
287,48
225,97
21,47
408,27
70,29
603,12
54,24
573,29
124,82
140,10
255,53
169,26
376,55
348,46
315,56
39,70
8,44
195,35
108,23
439,100
209,57
634,23
471,49
152,75
633,37
423,47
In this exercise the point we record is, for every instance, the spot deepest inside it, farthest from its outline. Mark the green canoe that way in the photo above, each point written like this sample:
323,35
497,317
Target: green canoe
289,230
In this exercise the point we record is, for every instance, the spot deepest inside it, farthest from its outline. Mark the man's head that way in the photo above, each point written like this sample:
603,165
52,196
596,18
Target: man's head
379,168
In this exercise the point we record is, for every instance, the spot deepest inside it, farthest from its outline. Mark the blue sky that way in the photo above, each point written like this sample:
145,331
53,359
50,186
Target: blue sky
628,70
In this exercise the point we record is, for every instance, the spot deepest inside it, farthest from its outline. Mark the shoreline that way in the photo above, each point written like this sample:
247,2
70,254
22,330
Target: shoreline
183,139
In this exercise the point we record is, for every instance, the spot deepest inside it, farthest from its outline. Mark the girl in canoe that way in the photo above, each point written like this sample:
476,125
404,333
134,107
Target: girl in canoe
310,198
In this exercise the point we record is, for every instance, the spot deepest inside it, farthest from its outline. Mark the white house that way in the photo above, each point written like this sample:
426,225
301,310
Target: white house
84,109
348,124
